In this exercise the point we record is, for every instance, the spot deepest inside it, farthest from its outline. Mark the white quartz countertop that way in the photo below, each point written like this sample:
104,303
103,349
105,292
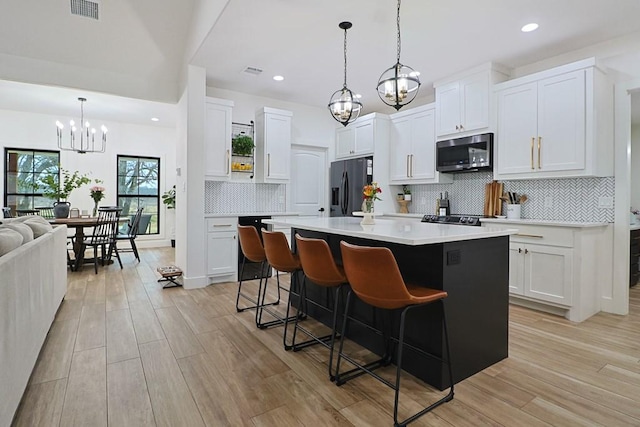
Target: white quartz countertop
407,231
234,214
516,222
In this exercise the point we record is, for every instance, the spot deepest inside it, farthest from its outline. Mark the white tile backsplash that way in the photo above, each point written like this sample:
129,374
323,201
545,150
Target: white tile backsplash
236,197
569,199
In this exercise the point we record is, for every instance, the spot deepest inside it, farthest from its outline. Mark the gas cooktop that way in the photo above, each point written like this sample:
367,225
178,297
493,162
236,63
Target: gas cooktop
453,219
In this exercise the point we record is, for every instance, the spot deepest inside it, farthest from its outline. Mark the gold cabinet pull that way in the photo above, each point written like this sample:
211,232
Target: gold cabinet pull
536,236
411,166
539,144
408,166
228,162
532,141
269,164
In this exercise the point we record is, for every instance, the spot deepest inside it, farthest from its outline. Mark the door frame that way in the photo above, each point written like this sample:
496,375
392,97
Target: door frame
325,152
618,301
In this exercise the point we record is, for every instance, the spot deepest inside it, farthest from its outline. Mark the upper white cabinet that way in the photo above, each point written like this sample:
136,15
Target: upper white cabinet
360,137
273,145
556,123
412,152
217,139
463,101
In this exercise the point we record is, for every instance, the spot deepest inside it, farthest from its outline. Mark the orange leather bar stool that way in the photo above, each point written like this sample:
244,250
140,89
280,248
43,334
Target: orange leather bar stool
375,279
318,266
253,250
280,257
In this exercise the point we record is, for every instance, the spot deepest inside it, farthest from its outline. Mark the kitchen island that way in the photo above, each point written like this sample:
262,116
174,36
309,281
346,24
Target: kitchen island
470,263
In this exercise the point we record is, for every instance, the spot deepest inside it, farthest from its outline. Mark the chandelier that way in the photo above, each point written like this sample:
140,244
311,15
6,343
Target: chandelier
399,84
343,105
83,139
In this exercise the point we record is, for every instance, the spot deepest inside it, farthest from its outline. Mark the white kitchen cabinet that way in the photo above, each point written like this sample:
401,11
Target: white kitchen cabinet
359,138
550,124
222,248
217,139
273,145
463,101
541,272
557,268
412,155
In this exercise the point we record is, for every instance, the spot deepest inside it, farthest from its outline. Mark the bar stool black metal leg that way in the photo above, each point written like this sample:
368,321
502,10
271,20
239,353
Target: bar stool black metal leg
334,326
345,321
294,289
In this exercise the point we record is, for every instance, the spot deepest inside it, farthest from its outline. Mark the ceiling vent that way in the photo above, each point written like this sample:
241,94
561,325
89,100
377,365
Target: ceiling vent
86,8
254,71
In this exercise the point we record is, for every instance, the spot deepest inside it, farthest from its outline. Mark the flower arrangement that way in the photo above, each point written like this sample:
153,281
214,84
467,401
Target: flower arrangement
371,191
370,194
97,193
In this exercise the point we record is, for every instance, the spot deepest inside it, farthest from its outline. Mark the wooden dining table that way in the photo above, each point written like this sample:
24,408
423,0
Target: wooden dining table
79,224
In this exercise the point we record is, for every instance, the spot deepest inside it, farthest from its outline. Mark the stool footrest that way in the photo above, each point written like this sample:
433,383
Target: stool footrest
363,369
325,340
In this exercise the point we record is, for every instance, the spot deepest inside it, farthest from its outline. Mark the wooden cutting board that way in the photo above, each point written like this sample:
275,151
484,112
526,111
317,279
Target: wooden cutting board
492,202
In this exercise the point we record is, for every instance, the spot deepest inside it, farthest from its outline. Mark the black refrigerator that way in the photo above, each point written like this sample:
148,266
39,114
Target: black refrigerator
348,177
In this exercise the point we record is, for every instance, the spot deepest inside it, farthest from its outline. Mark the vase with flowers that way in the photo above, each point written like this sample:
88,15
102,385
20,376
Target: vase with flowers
369,195
97,194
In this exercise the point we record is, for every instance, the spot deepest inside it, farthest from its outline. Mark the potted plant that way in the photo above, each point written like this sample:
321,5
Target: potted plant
407,192
52,188
242,145
169,199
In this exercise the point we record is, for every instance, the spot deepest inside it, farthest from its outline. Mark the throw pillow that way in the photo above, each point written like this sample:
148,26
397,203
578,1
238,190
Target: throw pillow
39,228
23,229
9,240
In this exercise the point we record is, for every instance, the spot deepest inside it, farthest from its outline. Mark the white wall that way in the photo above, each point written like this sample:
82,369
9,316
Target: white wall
37,131
635,161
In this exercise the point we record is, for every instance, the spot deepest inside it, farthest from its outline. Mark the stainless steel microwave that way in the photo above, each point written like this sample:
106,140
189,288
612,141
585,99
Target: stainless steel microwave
471,153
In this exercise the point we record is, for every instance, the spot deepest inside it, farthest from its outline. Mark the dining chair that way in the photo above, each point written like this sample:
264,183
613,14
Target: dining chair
132,233
26,212
45,212
103,237
6,212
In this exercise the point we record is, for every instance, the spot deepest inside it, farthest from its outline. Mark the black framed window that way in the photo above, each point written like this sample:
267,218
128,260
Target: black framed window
138,186
23,168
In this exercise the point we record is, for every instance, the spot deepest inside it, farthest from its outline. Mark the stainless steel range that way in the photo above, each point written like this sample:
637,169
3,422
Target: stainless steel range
453,219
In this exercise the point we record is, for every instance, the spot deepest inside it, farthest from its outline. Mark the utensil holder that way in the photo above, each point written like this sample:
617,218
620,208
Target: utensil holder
514,211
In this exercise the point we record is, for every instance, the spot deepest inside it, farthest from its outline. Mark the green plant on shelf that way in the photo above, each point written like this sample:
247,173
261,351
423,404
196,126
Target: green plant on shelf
242,145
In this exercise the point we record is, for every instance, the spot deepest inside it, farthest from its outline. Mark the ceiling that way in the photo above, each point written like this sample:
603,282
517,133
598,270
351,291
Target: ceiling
136,51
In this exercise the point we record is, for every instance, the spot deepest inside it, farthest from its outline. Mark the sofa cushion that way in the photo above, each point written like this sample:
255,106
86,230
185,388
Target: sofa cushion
9,240
39,228
23,229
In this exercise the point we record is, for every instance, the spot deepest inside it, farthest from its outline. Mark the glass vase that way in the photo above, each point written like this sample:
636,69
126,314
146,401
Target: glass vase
95,209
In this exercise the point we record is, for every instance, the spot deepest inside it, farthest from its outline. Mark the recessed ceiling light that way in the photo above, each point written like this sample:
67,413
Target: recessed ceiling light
278,78
529,27
155,119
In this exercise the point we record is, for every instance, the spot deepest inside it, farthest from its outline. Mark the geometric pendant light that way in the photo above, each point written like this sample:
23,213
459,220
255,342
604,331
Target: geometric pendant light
343,105
399,84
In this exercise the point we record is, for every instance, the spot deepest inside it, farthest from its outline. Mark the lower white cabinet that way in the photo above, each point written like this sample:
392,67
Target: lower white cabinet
558,268
222,247
542,272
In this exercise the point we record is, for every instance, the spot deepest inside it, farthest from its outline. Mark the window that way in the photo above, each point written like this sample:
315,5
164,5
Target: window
138,186
23,168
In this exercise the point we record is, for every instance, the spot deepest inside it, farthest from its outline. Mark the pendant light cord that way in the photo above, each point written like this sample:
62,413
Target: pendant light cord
398,26
345,58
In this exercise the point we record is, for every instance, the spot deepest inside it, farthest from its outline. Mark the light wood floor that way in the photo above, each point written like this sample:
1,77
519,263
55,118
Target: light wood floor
124,352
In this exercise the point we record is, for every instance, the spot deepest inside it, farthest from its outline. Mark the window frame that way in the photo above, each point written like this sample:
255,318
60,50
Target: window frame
120,196
32,194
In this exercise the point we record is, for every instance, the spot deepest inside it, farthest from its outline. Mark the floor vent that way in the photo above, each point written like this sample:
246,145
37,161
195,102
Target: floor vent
254,71
86,8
